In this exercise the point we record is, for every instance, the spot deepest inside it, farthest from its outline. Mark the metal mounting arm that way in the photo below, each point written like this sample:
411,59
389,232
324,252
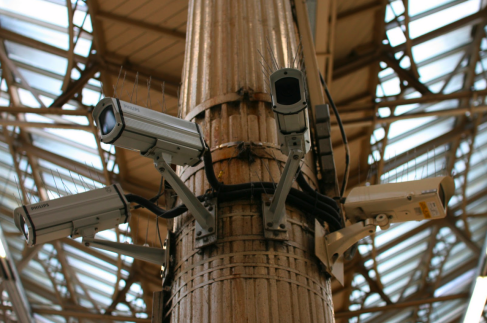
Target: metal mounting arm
274,214
153,255
329,248
205,218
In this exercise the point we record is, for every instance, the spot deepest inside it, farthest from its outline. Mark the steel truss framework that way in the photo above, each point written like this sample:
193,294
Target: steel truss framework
380,286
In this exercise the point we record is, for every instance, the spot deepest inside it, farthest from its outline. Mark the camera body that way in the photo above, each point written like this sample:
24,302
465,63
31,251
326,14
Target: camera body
400,202
73,215
290,109
153,133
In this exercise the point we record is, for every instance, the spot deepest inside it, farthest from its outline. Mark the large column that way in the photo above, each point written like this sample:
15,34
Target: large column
243,278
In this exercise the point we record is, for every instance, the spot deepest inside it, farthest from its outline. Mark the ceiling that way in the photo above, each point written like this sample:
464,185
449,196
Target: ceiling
409,79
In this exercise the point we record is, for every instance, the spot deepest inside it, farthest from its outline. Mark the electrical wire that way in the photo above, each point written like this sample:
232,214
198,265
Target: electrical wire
344,138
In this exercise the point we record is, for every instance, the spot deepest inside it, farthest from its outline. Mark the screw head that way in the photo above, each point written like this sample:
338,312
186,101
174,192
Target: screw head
198,233
210,229
282,226
269,224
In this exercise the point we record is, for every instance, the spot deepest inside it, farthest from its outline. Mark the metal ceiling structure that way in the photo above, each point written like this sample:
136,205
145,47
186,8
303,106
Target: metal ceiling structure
409,78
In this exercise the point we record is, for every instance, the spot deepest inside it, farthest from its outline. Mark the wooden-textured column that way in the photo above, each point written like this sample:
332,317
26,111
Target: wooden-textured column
243,278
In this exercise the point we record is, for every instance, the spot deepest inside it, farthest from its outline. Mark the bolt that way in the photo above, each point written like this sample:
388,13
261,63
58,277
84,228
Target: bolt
282,226
296,157
198,233
210,208
269,224
210,229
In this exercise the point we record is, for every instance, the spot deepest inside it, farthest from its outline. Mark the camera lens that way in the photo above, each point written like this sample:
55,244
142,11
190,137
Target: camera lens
107,120
288,91
25,228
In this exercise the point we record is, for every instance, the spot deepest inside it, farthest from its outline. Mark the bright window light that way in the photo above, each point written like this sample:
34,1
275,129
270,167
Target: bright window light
477,301
3,254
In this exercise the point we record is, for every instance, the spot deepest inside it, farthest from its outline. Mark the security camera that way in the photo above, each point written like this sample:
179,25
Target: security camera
290,109
401,202
76,215
152,133
380,205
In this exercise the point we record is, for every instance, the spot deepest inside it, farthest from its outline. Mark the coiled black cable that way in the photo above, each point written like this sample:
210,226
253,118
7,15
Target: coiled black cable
310,201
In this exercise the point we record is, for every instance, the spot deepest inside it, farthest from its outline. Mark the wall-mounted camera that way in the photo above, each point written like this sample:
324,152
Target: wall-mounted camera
76,215
133,127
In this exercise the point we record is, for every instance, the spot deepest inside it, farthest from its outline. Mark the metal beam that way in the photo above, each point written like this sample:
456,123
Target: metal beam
129,22
27,124
348,314
46,111
77,85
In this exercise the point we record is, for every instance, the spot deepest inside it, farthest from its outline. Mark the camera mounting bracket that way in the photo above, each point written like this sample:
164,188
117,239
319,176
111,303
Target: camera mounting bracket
153,255
329,248
274,211
205,218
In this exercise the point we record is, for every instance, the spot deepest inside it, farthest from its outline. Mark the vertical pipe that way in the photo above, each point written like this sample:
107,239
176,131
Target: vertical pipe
243,278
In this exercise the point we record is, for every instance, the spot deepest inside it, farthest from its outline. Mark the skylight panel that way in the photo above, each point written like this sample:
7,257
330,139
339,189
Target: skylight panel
419,6
442,44
418,138
38,9
434,21
396,36
43,34
42,82
36,58
439,68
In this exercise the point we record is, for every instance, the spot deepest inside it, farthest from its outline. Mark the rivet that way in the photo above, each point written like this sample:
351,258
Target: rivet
210,208
198,233
210,229
282,226
205,204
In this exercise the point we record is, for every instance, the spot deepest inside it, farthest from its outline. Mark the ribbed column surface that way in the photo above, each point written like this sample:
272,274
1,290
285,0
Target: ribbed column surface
244,277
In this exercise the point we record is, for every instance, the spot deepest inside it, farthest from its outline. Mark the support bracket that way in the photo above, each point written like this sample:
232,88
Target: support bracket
329,248
274,211
153,255
205,218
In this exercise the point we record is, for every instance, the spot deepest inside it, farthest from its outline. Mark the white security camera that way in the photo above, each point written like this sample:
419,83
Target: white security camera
401,202
290,109
152,133
81,214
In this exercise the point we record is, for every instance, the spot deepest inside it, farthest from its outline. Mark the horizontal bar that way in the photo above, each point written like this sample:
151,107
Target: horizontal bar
25,124
348,314
56,111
